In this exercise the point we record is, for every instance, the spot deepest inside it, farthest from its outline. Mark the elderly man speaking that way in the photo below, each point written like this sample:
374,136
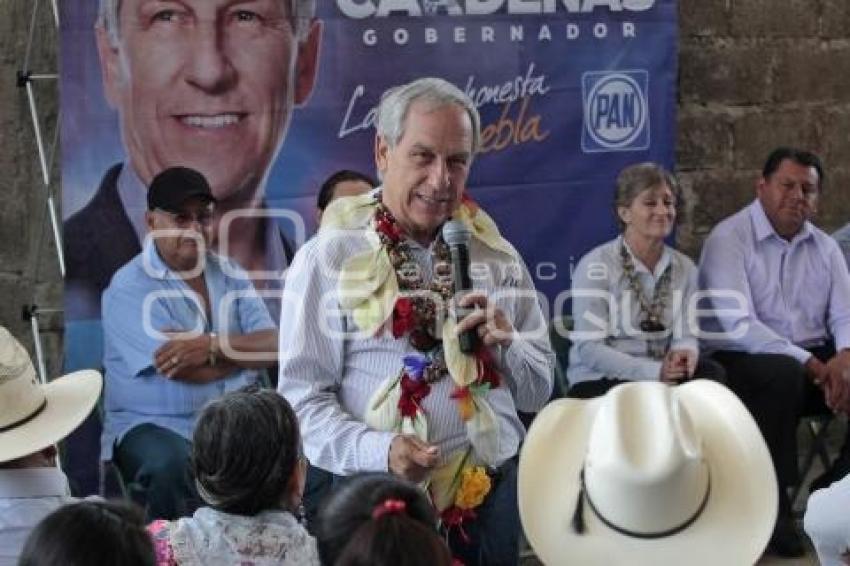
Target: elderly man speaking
372,362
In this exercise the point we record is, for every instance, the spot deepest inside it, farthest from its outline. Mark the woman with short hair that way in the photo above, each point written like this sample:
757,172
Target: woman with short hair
631,295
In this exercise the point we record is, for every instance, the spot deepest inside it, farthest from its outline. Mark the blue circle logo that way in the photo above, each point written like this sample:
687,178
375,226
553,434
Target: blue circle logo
615,111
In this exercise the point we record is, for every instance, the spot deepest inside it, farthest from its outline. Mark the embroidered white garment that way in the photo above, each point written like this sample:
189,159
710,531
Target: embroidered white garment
215,538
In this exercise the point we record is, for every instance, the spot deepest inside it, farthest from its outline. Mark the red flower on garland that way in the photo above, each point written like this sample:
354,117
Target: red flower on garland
388,228
412,393
487,372
469,202
454,517
403,319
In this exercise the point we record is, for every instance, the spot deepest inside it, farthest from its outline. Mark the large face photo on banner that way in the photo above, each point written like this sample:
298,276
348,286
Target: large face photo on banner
268,98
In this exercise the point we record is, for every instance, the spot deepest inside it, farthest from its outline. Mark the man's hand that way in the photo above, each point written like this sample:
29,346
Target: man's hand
837,381
677,366
182,353
687,359
816,371
412,458
490,322
833,391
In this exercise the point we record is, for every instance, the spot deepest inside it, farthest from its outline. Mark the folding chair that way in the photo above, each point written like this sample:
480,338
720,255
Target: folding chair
559,329
817,427
109,477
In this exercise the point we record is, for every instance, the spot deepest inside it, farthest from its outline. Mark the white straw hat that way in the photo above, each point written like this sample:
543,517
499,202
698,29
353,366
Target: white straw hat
32,416
648,474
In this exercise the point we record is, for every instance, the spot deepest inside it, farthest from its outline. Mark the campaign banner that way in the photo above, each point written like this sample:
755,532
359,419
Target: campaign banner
569,91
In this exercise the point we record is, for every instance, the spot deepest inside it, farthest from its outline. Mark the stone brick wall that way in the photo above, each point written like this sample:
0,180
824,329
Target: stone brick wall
25,233
753,74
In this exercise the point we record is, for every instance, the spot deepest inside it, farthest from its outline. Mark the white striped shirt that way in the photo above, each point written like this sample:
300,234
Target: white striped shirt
329,377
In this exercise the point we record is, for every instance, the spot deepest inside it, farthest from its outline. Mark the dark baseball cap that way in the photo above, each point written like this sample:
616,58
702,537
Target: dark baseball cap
174,186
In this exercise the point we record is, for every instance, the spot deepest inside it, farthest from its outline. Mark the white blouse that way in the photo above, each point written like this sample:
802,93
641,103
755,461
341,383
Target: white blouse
215,538
607,339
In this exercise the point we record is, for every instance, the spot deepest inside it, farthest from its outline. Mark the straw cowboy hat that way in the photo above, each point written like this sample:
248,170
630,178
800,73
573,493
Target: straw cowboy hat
33,416
648,474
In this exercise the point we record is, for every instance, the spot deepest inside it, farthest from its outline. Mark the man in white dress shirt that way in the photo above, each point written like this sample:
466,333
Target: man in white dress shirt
338,371
786,335
33,419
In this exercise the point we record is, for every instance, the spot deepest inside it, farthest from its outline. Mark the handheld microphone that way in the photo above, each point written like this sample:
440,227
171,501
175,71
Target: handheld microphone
457,236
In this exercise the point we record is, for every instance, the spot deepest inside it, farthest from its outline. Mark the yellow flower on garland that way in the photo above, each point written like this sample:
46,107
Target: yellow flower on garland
465,402
466,406
474,487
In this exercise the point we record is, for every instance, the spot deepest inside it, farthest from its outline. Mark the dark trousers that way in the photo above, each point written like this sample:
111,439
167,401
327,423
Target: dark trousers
318,485
492,539
706,369
154,463
777,392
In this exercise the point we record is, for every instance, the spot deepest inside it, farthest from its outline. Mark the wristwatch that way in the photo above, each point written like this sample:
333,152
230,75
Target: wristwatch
213,351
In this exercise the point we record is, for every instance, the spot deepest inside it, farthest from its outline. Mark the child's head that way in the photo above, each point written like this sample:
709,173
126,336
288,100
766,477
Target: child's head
246,453
379,520
90,533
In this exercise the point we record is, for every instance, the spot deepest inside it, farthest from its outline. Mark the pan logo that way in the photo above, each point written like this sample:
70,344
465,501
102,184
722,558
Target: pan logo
616,111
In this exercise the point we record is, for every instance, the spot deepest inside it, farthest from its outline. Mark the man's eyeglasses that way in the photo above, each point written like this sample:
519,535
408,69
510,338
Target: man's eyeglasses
184,219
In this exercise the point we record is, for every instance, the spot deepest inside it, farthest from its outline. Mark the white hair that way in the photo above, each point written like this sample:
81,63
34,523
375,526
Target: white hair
301,12
396,102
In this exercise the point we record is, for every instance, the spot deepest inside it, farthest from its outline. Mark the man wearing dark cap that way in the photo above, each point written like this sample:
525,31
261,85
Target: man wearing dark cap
182,326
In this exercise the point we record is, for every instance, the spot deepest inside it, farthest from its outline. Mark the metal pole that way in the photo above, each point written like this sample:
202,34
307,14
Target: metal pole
42,159
25,78
45,174
57,235
30,36
36,339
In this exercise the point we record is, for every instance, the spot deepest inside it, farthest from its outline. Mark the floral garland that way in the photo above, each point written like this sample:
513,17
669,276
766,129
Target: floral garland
651,312
472,487
415,316
416,312
379,288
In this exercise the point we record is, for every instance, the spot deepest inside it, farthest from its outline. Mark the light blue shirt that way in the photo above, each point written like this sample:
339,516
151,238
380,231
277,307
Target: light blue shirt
794,294
842,236
134,310
607,340
133,195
